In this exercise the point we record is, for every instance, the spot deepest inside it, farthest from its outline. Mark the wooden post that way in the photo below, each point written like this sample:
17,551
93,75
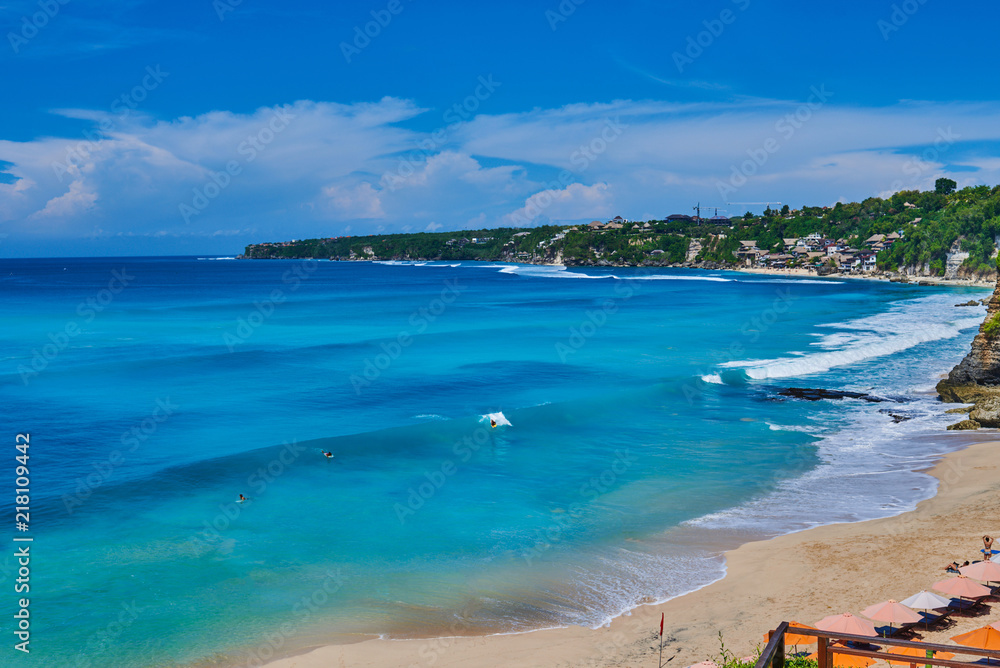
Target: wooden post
779,654
823,654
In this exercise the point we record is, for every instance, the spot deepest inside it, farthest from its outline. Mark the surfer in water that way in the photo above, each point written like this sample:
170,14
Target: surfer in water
328,455
493,423
242,499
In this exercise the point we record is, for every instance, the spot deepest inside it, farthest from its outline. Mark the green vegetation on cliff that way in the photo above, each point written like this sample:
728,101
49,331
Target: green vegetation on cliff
931,224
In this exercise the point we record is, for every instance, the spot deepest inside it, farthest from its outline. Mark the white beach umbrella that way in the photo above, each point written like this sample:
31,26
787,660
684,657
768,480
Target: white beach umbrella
926,600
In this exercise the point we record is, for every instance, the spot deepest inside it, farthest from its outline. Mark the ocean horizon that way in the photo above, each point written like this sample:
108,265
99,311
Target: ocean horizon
642,428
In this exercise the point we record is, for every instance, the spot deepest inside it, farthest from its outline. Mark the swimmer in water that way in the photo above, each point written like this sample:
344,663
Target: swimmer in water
242,498
328,455
493,423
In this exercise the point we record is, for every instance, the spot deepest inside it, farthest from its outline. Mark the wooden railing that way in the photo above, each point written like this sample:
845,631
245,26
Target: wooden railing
773,655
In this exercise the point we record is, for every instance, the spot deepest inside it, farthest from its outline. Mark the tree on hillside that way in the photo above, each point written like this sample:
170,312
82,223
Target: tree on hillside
944,186
784,210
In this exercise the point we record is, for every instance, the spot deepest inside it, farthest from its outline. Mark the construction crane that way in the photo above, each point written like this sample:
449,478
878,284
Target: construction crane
767,204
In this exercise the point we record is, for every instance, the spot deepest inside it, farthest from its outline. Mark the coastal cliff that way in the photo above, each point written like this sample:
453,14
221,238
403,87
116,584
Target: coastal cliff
976,379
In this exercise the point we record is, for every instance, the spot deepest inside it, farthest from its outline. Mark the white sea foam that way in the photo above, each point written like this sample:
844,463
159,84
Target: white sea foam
868,469
792,427
869,462
903,326
217,258
713,378
545,271
793,280
560,271
662,277
497,417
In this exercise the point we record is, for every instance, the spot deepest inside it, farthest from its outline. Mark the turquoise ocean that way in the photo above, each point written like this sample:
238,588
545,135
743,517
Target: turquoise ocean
641,430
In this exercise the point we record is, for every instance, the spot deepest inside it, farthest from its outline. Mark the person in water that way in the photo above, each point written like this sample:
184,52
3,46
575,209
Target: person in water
328,455
493,423
242,498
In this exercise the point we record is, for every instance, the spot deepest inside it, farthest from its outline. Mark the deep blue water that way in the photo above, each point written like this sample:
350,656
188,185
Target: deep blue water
645,435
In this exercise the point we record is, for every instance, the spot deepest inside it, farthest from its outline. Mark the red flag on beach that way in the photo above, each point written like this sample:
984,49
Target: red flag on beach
661,624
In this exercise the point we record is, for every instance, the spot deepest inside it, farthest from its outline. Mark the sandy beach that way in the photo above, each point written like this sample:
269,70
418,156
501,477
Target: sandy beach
799,272
797,577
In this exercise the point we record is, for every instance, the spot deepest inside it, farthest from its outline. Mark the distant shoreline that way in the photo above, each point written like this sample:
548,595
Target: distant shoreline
795,272
915,280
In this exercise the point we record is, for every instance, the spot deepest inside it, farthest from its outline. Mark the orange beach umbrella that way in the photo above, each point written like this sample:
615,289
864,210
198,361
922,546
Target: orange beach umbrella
792,638
915,651
986,637
847,623
962,586
846,660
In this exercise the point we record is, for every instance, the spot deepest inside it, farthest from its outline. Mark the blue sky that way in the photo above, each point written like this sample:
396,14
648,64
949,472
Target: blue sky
144,128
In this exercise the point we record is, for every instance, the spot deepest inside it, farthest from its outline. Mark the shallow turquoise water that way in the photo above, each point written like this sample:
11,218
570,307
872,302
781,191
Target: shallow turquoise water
646,433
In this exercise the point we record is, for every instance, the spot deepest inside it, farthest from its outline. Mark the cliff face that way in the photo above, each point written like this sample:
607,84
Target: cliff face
978,375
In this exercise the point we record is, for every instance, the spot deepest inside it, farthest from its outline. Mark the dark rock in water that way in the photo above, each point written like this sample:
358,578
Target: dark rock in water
896,417
925,283
816,394
964,424
964,409
971,302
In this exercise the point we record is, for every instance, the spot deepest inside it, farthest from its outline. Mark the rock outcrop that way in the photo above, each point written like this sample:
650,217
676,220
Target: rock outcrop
976,379
978,375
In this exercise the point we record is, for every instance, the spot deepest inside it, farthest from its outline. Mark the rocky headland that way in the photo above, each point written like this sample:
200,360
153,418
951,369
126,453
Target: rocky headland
976,379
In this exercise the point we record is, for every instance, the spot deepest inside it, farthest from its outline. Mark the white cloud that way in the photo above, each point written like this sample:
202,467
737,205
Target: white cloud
574,202
320,168
75,201
359,201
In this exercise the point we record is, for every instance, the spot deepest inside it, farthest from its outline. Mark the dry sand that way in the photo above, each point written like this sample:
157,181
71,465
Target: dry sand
799,577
